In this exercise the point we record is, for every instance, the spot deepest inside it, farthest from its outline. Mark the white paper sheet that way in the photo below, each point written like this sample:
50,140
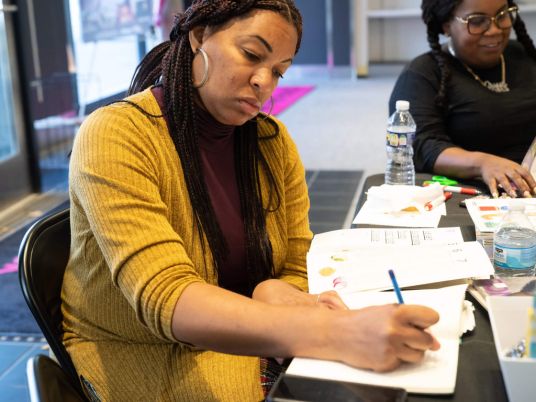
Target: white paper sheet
487,213
369,214
390,198
348,239
365,268
436,374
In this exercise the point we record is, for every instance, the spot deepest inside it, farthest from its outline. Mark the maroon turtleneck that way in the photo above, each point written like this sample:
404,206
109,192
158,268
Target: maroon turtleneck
216,143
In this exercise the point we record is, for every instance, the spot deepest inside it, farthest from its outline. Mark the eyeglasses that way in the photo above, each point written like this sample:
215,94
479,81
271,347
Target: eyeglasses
477,24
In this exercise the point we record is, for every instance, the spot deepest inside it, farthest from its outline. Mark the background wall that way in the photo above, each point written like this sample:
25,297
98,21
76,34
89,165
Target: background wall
396,31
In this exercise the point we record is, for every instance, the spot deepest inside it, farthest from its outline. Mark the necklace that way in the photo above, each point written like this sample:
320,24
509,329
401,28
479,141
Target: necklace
498,87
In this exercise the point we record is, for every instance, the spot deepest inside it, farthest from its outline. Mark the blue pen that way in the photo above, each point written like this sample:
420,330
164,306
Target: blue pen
396,287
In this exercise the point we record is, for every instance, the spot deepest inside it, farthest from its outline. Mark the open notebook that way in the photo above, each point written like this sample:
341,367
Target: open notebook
436,374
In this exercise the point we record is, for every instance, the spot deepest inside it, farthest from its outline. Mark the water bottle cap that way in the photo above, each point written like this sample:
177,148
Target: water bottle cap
402,105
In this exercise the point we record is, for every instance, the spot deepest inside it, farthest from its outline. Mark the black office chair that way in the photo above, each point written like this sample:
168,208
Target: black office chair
48,382
43,256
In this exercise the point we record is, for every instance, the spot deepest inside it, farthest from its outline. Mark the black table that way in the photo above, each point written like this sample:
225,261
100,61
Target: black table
479,375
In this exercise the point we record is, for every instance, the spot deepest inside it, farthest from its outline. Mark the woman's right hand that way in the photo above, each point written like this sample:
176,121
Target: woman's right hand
382,337
509,175
496,172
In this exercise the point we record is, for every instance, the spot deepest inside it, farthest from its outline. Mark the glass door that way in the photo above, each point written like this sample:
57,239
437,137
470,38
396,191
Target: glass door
14,167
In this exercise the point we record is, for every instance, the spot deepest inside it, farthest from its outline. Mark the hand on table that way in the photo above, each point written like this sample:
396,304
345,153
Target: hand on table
500,172
274,291
383,337
330,299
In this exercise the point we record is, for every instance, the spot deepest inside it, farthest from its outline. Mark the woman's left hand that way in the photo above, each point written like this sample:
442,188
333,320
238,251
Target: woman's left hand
274,291
331,300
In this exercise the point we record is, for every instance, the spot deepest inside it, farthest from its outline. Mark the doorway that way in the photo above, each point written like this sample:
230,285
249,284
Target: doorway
15,180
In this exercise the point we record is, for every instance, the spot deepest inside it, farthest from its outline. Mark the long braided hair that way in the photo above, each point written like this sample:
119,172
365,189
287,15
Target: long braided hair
170,65
434,14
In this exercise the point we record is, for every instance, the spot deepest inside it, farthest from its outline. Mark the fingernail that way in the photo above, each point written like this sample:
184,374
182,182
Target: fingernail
526,194
534,190
495,195
513,194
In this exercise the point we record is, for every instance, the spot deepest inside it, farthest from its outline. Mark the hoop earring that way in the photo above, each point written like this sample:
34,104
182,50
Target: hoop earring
205,71
269,111
451,48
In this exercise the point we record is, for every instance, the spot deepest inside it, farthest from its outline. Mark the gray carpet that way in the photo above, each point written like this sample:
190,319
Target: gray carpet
331,193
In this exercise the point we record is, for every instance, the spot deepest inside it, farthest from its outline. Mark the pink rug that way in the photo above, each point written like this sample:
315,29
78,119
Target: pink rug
11,266
284,97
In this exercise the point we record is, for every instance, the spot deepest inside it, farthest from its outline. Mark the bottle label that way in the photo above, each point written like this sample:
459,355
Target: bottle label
399,140
514,258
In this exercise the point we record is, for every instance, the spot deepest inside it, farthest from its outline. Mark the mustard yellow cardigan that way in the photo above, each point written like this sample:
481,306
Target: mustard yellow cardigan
134,249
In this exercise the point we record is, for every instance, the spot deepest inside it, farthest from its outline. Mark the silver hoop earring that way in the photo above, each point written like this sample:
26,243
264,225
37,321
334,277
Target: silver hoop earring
451,48
205,71
269,111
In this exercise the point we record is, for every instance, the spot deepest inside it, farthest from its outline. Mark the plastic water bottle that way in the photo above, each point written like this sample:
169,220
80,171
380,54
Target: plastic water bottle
514,244
400,134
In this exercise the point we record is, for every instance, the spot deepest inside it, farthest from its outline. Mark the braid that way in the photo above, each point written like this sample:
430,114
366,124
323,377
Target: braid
440,58
522,34
148,72
182,118
434,14
172,63
258,246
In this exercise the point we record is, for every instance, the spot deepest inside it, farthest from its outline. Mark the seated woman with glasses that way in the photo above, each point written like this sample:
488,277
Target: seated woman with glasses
474,98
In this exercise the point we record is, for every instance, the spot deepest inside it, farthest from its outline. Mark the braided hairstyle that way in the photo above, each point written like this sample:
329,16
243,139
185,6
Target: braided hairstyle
434,14
170,64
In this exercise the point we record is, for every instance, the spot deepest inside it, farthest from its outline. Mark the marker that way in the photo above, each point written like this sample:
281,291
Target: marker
456,189
395,286
462,190
437,202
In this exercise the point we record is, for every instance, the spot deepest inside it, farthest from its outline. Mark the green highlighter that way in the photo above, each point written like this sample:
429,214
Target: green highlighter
444,181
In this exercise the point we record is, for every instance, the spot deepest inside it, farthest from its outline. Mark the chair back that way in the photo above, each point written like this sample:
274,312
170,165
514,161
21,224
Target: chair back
48,382
43,257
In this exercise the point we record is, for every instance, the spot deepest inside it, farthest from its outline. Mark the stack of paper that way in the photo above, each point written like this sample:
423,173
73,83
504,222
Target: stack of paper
356,260
359,259
436,374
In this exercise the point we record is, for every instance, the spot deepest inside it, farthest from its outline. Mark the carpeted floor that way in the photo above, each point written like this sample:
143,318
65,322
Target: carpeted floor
332,195
14,314
15,318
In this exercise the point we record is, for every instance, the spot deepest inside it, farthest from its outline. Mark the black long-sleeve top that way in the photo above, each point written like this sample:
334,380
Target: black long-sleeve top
477,119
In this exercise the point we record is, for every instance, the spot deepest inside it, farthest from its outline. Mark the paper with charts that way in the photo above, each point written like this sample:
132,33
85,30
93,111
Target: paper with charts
436,374
346,239
352,264
487,213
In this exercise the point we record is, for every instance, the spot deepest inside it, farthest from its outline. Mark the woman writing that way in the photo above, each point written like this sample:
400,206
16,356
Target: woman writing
473,99
190,229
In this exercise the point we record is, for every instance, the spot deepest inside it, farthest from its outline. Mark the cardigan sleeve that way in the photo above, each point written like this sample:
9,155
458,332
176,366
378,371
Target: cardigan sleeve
297,213
419,84
115,177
